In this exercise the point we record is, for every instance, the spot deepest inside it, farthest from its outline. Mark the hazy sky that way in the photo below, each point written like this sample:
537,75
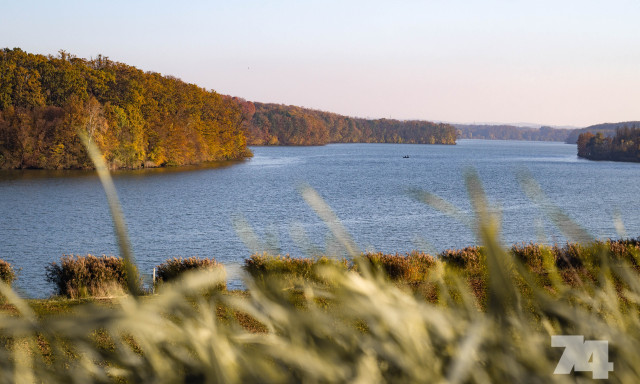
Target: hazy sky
556,62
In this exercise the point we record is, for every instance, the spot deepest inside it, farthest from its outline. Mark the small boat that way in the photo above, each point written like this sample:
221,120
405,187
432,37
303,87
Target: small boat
405,156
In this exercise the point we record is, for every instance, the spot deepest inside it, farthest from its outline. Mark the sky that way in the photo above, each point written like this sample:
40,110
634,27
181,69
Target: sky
548,62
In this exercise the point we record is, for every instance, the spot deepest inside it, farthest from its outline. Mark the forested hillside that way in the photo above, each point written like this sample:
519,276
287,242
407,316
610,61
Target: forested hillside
510,132
137,119
623,146
275,124
607,129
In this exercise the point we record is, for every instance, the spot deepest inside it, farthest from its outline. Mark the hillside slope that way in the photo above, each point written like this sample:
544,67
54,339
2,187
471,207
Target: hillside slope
138,119
275,124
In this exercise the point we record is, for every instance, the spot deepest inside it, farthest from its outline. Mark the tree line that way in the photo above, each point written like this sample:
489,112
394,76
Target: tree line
144,119
276,124
607,129
623,146
510,132
138,119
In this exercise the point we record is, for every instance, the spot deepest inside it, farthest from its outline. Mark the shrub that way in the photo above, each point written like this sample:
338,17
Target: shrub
7,274
173,268
463,258
570,256
530,254
410,268
625,249
260,266
82,276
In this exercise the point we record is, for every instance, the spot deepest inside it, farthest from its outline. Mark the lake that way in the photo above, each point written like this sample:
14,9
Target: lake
191,211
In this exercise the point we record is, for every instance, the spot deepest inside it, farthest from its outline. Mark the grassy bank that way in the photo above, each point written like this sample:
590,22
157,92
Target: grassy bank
78,277
469,315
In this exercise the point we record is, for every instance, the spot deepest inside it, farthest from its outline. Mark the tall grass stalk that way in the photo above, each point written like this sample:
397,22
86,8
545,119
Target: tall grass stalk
122,235
324,211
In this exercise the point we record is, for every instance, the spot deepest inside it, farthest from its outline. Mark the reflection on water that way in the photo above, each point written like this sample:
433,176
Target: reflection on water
35,174
174,212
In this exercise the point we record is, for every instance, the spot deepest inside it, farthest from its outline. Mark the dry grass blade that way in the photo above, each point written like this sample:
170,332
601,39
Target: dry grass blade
441,205
13,299
116,214
324,211
502,294
246,233
300,238
574,232
460,368
619,225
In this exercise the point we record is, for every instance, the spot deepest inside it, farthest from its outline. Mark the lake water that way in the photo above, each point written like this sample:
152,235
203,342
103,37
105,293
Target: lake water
191,212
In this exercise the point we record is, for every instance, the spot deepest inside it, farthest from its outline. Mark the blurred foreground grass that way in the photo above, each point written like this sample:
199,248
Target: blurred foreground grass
337,324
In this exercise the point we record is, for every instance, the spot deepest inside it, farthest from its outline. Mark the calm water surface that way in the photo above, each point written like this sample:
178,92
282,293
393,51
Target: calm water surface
190,213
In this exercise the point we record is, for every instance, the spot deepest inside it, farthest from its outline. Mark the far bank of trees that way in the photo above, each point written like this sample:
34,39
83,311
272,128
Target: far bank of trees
607,129
136,118
274,124
624,146
143,119
510,132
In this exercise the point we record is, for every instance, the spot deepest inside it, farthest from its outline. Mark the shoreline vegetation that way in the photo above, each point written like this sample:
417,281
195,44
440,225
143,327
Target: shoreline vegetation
607,129
510,132
623,146
406,317
76,277
544,133
275,124
144,119
137,119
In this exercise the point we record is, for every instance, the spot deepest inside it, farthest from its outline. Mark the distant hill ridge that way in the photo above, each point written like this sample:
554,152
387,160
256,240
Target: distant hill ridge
277,124
144,119
510,132
544,133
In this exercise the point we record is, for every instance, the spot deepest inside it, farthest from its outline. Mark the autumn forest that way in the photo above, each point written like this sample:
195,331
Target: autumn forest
623,146
137,119
274,124
143,119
